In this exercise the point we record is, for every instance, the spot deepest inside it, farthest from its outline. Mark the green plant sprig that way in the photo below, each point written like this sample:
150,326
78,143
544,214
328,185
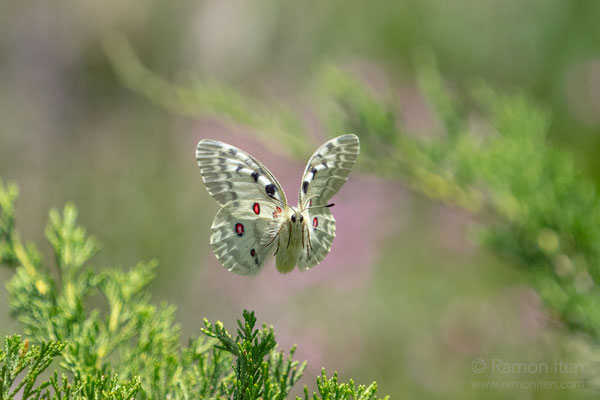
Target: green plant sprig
132,348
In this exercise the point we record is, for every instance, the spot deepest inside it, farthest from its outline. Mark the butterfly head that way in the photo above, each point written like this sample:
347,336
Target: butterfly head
296,217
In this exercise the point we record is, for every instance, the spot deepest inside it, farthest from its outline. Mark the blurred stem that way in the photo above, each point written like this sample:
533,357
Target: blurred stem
207,97
406,160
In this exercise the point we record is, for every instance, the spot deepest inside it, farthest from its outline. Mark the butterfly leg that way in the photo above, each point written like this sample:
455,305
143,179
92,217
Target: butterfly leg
290,235
270,242
309,246
277,250
303,245
275,236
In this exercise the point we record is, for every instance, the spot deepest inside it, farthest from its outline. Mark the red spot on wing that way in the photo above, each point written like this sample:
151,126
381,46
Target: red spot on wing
310,203
315,222
256,208
277,212
239,229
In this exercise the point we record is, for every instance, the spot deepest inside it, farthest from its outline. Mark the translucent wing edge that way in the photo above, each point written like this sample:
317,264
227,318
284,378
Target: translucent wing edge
349,148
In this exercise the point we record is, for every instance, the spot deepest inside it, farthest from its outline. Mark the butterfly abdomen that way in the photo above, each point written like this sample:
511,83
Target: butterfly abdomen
290,243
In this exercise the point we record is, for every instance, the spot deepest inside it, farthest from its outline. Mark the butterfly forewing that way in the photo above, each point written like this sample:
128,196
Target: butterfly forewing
241,235
232,174
328,169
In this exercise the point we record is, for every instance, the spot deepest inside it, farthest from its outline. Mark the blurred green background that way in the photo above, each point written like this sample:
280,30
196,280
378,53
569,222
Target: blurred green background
405,298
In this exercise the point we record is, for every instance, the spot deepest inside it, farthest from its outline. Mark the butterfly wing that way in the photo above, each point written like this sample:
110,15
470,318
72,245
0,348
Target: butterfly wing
326,172
232,174
243,233
320,232
328,169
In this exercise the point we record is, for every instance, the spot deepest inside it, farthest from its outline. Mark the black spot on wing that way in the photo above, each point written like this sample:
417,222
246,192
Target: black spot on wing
239,167
313,170
255,176
233,152
271,189
305,186
324,164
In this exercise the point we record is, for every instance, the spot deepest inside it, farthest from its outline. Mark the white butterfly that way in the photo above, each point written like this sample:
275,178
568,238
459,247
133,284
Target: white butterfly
256,219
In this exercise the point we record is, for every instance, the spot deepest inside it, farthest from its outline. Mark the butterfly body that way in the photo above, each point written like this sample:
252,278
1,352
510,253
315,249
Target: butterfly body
290,241
256,221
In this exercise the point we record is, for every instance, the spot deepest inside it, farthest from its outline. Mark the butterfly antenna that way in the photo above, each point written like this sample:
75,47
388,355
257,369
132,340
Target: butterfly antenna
326,206
307,201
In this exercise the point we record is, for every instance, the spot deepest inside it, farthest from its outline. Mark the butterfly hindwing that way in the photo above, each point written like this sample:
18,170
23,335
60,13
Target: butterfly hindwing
320,232
241,235
328,169
232,174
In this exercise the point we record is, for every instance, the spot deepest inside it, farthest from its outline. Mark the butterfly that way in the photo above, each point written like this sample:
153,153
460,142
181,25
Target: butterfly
256,220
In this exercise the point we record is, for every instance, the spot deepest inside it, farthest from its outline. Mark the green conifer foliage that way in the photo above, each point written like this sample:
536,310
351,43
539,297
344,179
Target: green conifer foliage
129,349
